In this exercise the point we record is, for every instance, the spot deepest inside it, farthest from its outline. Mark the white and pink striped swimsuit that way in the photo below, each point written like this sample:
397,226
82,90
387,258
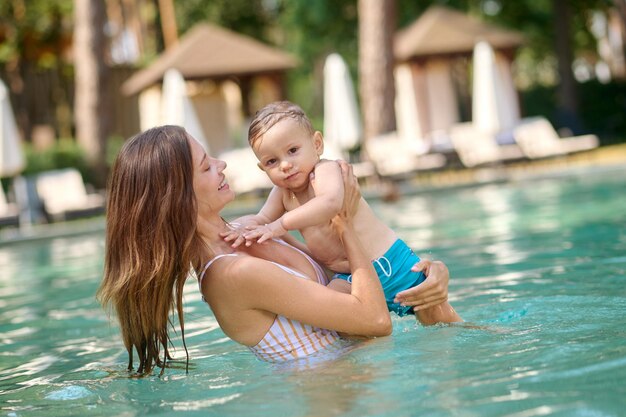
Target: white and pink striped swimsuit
289,339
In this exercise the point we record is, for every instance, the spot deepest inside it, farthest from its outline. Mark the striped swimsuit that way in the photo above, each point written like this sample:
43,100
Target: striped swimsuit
288,339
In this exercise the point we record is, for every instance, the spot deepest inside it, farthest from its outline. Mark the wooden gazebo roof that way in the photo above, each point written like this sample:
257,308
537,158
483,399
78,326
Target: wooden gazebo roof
443,31
212,52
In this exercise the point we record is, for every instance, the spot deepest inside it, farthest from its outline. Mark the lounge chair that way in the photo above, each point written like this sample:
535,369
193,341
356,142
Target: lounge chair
476,147
243,174
538,139
9,212
395,156
64,195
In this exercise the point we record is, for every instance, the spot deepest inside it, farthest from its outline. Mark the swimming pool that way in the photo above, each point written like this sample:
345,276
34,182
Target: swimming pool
539,265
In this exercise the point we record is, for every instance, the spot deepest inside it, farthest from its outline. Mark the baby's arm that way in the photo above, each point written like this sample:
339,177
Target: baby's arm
271,210
326,203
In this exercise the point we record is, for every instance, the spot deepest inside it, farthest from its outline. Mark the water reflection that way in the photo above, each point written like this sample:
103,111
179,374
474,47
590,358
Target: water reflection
541,265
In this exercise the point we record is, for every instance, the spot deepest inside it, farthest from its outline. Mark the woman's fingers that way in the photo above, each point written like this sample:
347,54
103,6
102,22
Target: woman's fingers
429,303
422,266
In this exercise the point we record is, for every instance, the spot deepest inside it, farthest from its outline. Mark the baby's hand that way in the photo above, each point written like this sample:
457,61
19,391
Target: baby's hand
261,233
235,236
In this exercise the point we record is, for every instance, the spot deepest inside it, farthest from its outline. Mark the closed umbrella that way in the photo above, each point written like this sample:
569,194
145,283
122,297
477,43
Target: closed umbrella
11,155
409,113
177,109
342,121
494,104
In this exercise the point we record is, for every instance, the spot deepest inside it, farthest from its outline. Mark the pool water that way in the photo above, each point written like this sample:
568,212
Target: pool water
538,269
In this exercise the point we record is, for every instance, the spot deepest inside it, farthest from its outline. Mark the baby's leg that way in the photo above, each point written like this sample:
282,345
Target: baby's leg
441,313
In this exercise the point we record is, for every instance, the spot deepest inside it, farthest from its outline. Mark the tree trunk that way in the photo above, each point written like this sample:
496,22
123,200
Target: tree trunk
168,23
376,82
91,108
567,97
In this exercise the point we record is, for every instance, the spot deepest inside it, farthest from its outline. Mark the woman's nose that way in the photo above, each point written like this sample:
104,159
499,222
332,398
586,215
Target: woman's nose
221,165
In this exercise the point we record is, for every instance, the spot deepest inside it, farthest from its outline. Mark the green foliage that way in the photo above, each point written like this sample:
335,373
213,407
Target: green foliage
65,153
311,31
602,108
113,146
35,30
248,17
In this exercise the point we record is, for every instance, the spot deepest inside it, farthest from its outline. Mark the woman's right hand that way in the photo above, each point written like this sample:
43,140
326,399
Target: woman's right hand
351,197
432,291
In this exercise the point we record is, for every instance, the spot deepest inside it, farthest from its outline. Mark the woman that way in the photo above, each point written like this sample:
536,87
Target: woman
165,196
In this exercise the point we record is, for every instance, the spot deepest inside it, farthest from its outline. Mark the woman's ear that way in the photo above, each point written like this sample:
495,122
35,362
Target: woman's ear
318,142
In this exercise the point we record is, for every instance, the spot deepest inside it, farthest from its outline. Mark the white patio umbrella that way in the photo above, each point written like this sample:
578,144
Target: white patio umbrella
342,121
442,102
410,116
177,109
11,156
494,102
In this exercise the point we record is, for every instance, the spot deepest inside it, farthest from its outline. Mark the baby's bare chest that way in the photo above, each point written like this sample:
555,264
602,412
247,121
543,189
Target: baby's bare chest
325,246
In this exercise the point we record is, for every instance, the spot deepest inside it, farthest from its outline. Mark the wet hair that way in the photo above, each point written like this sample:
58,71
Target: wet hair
273,113
152,242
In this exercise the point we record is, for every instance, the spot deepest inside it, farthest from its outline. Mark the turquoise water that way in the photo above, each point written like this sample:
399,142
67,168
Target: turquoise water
539,266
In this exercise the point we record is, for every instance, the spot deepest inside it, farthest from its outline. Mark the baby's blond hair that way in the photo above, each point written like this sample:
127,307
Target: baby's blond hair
273,113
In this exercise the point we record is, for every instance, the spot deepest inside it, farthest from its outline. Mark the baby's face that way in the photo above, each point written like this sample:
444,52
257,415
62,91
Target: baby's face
288,153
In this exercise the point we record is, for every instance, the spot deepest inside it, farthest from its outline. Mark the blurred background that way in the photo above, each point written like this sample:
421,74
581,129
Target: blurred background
83,75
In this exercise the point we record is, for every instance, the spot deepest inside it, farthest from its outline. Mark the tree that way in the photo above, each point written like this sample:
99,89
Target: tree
33,42
376,83
567,97
91,104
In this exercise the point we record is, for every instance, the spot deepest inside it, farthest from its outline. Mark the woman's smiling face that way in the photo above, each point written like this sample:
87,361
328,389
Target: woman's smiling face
209,183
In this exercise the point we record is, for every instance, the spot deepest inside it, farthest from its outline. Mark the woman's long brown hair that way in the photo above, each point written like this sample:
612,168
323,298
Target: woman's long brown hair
151,241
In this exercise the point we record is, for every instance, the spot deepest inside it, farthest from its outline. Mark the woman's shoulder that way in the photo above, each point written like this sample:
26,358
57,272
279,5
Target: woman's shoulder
239,266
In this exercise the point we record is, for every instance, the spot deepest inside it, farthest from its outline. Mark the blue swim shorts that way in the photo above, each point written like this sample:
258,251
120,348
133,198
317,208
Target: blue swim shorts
394,272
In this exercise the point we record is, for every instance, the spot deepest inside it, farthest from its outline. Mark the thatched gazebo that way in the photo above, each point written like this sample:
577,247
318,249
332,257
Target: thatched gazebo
433,55
228,75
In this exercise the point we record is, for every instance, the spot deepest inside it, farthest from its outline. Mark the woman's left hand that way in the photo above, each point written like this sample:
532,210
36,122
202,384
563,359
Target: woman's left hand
432,291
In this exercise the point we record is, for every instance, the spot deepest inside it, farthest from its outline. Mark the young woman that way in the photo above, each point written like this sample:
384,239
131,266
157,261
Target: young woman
163,223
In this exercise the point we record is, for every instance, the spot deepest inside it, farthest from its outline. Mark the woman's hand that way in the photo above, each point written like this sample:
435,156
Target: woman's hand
351,197
237,229
431,292
261,233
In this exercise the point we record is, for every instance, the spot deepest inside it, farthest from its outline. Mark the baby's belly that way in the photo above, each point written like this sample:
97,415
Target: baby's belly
327,250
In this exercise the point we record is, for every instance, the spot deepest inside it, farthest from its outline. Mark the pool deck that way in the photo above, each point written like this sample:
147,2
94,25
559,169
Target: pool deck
607,158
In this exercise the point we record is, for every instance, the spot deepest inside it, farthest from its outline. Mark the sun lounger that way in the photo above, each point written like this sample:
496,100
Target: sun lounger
9,212
476,147
395,156
64,195
538,139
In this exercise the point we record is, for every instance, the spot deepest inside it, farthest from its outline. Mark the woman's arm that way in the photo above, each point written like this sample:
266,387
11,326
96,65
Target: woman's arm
431,292
363,312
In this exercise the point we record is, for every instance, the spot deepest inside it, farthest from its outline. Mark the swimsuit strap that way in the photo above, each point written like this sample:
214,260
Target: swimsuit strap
208,264
321,275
